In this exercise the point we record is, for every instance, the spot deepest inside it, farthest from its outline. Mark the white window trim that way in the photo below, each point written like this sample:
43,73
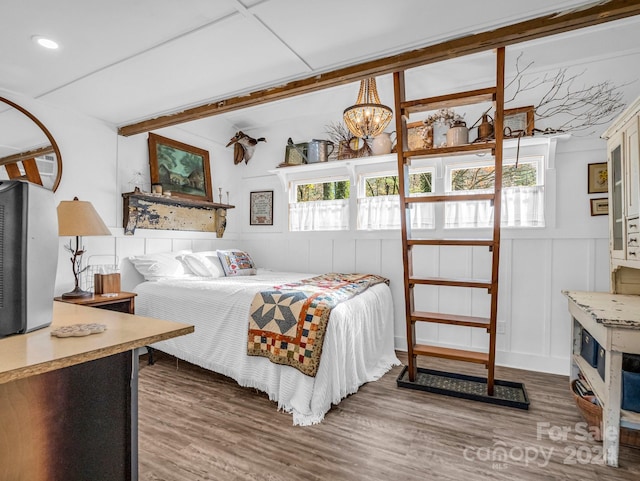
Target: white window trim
307,207
352,168
539,160
293,185
362,198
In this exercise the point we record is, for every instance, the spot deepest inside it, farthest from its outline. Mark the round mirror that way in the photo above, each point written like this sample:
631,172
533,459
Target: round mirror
28,151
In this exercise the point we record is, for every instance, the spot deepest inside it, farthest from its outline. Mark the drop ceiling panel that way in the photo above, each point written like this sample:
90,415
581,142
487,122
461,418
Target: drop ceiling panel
92,35
334,32
220,60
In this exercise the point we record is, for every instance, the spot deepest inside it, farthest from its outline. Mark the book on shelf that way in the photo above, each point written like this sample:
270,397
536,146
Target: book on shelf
583,389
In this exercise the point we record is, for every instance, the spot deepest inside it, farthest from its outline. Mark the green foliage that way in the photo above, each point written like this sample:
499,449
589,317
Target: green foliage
484,177
388,185
323,191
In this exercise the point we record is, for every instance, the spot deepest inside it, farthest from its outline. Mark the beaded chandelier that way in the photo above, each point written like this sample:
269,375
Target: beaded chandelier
368,117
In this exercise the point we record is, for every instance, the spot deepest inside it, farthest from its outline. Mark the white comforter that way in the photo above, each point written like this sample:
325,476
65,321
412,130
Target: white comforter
358,346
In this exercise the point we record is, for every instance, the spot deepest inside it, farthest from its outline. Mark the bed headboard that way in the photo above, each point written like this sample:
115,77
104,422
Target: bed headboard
129,276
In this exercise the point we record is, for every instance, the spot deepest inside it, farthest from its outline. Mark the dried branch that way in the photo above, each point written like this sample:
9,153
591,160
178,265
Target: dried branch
580,107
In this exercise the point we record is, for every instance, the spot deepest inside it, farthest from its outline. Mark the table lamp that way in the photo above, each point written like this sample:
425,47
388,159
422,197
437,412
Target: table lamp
78,218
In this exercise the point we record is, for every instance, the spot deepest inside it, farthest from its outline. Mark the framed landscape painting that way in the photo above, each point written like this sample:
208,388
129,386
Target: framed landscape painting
181,169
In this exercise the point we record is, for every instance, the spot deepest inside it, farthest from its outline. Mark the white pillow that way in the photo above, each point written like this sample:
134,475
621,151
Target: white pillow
237,263
161,264
204,264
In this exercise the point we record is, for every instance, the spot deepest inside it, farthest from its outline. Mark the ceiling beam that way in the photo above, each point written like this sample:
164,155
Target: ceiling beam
29,154
539,27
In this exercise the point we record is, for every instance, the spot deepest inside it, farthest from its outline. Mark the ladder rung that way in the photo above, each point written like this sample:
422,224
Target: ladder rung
449,101
453,319
477,147
442,281
448,198
451,242
453,354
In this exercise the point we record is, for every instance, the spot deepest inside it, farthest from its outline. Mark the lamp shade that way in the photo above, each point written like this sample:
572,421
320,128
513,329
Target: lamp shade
368,117
79,218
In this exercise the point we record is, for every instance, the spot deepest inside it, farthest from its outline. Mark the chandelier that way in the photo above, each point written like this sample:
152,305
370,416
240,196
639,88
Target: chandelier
368,117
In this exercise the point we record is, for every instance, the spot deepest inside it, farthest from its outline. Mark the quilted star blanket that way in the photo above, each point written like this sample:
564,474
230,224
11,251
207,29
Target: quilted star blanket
287,324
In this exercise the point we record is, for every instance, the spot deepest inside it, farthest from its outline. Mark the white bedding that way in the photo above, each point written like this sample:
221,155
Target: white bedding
358,346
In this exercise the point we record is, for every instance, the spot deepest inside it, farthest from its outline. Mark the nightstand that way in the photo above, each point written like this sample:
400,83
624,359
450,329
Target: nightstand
120,301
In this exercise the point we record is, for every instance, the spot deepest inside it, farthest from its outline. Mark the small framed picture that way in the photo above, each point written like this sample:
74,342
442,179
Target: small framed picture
518,122
598,178
261,208
599,206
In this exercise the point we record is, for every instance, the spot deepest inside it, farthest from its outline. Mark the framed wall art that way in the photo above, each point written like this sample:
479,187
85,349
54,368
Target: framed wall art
518,122
181,169
599,206
261,208
598,178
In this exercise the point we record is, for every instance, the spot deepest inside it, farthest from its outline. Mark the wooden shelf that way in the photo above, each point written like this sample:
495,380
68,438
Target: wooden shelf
452,319
475,148
458,99
154,211
628,419
453,354
176,200
441,281
451,242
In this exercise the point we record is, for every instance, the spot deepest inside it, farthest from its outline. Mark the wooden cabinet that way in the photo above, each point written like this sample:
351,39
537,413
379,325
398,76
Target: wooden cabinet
612,320
623,147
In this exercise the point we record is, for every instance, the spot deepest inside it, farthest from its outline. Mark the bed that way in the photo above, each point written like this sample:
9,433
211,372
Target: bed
358,344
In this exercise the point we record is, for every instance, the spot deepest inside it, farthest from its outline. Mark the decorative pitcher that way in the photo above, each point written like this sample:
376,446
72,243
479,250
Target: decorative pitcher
318,151
382,143
458,134
485,129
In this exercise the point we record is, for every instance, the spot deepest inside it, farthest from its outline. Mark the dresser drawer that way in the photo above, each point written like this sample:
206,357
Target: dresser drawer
633,225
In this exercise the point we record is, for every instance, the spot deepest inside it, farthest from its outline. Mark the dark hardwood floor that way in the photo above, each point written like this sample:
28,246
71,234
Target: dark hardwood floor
197,425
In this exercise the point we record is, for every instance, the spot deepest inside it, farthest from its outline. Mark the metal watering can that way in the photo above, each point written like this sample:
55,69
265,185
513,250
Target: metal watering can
319,150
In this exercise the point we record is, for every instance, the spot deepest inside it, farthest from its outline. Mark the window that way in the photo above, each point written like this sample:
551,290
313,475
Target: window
315,206
379,201
522,194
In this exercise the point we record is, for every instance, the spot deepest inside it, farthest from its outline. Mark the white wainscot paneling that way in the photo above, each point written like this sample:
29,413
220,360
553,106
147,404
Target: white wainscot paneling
266,253
455,263
391,267
158,245
368,256
480,298
602,281
297,256
321,255
344,255
528,287
574,269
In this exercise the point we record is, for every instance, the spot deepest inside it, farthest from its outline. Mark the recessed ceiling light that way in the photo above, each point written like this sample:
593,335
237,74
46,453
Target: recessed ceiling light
45,42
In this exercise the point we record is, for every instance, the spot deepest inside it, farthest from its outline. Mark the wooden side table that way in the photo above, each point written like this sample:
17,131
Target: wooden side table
120,301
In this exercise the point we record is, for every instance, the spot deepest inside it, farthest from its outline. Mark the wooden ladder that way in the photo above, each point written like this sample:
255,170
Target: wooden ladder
404,109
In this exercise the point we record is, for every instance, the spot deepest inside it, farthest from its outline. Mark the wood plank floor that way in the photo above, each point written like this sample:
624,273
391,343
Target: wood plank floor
198,425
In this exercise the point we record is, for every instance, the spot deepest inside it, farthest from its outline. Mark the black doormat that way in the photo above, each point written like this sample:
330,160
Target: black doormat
505,393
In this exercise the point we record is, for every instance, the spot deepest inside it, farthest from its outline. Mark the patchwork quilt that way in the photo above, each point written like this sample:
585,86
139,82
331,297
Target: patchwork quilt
287,324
